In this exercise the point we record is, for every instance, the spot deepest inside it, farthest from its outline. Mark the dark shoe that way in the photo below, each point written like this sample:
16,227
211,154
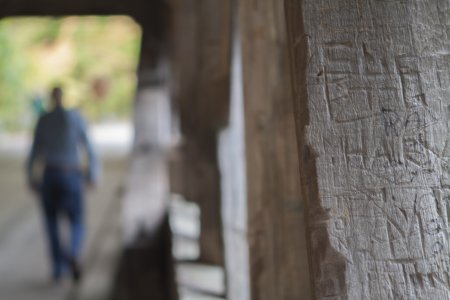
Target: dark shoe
75,268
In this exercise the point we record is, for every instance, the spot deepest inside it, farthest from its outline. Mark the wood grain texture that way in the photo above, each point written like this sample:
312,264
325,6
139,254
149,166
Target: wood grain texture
372,95
200,54
276,224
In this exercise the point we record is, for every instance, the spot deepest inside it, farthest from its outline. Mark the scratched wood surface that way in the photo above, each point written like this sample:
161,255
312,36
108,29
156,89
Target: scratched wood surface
372,88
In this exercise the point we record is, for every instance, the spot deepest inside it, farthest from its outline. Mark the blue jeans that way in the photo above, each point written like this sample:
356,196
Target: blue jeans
62,196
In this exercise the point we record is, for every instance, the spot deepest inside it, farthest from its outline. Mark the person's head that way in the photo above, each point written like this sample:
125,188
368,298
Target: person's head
56,96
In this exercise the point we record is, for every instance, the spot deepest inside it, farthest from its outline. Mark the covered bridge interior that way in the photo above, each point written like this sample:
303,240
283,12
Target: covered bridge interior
314,139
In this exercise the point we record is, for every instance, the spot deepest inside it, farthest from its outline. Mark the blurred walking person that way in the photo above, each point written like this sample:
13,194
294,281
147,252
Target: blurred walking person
58,136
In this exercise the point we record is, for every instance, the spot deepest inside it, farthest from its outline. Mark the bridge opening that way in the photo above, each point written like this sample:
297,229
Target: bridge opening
110,71
94,59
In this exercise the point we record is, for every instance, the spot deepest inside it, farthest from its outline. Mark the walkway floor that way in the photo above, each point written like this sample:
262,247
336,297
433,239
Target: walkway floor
24,273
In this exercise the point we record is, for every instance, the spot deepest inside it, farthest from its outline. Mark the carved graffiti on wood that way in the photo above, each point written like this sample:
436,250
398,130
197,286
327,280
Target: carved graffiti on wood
379,106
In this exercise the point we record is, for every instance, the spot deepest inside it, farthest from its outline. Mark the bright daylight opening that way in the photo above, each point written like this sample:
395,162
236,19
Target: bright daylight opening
93,58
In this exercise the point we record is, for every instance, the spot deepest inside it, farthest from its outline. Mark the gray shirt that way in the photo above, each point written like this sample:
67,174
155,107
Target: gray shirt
57,138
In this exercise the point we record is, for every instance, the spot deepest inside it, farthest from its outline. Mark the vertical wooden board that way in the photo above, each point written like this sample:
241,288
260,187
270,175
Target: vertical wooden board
231,153
200,76
372,123
200,54
276,224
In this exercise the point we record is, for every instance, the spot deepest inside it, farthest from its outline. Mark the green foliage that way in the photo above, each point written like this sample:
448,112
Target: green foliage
93,58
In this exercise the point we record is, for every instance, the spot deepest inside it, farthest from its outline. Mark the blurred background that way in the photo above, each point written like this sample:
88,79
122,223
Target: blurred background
93,58
129,249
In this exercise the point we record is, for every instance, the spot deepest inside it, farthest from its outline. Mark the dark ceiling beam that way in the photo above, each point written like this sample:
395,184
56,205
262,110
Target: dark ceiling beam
141,10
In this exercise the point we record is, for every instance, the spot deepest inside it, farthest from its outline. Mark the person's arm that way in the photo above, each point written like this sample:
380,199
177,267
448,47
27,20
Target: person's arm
94,166
35,151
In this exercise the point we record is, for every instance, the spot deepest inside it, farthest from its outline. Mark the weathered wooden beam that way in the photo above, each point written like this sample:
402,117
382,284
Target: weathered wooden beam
200,53
372,90
80,7
276,223
264,215
200,81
